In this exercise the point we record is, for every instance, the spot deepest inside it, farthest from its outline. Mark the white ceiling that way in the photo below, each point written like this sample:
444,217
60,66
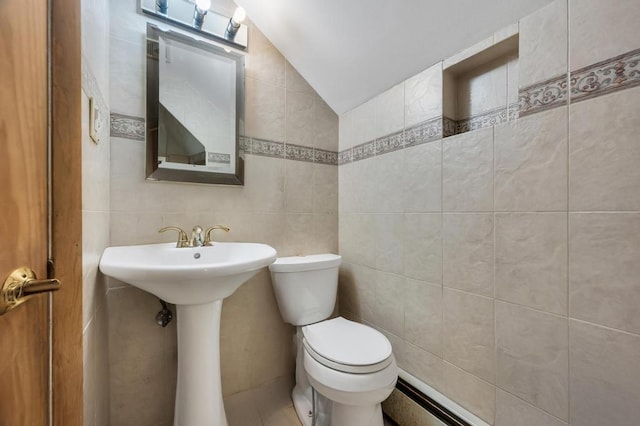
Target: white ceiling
351,50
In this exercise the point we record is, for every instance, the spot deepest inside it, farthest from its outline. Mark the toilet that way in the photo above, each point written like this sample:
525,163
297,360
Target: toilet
344,369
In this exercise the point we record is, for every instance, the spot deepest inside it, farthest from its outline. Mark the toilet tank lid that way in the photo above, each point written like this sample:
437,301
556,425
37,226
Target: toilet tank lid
305,263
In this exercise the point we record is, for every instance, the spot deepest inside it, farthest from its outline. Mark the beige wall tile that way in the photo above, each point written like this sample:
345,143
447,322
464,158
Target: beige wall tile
295,82
604,268
325,126
346,138
390,111
357,292
531,260
138,228
605,380
389,311
299,118
264,184
386,186
264,110
533,357
474,394
269,228
512,411
468,171
298,234
422,178
603,160
424,365
127,85
298,186
363,122
483,88
325,237
138,390
423,96
423,247
599,33
95,238
127,306
264,62
468,252
531,163
423,315
389,233
468,334
325,189
543,44
513,80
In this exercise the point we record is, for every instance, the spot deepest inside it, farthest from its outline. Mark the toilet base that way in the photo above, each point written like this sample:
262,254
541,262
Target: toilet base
349,415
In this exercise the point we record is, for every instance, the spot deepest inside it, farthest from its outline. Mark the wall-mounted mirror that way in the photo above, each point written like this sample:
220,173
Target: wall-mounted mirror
195,102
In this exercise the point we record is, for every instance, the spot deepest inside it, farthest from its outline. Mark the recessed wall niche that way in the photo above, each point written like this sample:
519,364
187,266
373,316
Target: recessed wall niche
481,90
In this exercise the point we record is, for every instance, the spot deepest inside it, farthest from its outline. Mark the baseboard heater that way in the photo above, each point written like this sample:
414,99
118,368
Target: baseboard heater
438,410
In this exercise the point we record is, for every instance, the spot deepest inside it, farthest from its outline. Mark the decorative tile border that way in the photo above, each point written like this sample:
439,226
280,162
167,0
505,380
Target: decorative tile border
543,96
364,151
604,77
345,157
448,127
267,148
125,126
389,143
298,153
485,119
128,127
323,156
424,132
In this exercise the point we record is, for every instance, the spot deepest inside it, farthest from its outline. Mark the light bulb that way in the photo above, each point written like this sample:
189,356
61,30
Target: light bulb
203,4
239,15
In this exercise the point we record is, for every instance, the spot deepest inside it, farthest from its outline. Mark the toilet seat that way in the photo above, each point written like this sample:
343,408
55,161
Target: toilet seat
347,346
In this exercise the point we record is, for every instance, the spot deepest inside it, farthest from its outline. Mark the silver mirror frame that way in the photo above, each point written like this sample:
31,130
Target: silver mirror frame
153,172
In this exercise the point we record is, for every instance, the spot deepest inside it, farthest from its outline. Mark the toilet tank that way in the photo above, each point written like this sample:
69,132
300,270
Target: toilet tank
306,287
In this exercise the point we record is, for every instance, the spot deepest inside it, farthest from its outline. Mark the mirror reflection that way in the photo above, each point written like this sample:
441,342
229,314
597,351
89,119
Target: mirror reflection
194,104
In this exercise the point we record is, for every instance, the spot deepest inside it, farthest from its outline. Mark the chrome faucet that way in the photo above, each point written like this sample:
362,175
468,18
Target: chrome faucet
196,237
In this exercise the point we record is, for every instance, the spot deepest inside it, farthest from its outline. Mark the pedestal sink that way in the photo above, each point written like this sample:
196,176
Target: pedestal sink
196,279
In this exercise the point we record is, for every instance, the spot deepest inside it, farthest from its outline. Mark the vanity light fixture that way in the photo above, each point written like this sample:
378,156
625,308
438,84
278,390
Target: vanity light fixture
200,12
234,23
162,6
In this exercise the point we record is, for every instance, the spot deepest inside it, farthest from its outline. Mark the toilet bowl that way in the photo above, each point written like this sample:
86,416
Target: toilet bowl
350,366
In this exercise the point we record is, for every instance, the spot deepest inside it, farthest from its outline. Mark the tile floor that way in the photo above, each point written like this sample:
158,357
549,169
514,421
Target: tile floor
267,405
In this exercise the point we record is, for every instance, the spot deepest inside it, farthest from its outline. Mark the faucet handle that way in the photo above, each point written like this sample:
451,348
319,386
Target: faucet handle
183,241
207,238
196,236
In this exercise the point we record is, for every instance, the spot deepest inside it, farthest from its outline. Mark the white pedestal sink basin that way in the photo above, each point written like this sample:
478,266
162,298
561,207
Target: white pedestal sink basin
196,279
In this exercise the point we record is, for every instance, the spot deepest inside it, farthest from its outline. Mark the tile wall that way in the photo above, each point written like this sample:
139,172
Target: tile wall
502,263
289,201
95,210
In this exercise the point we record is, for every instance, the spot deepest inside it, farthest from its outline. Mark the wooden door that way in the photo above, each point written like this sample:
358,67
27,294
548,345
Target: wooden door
24,342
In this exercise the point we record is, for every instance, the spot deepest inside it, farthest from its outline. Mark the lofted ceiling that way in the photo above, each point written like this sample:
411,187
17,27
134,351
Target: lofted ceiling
351,50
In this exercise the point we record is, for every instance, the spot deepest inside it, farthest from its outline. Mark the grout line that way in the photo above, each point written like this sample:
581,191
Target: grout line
568,183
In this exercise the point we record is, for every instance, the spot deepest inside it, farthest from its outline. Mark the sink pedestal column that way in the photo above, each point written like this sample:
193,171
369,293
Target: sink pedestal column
199,390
